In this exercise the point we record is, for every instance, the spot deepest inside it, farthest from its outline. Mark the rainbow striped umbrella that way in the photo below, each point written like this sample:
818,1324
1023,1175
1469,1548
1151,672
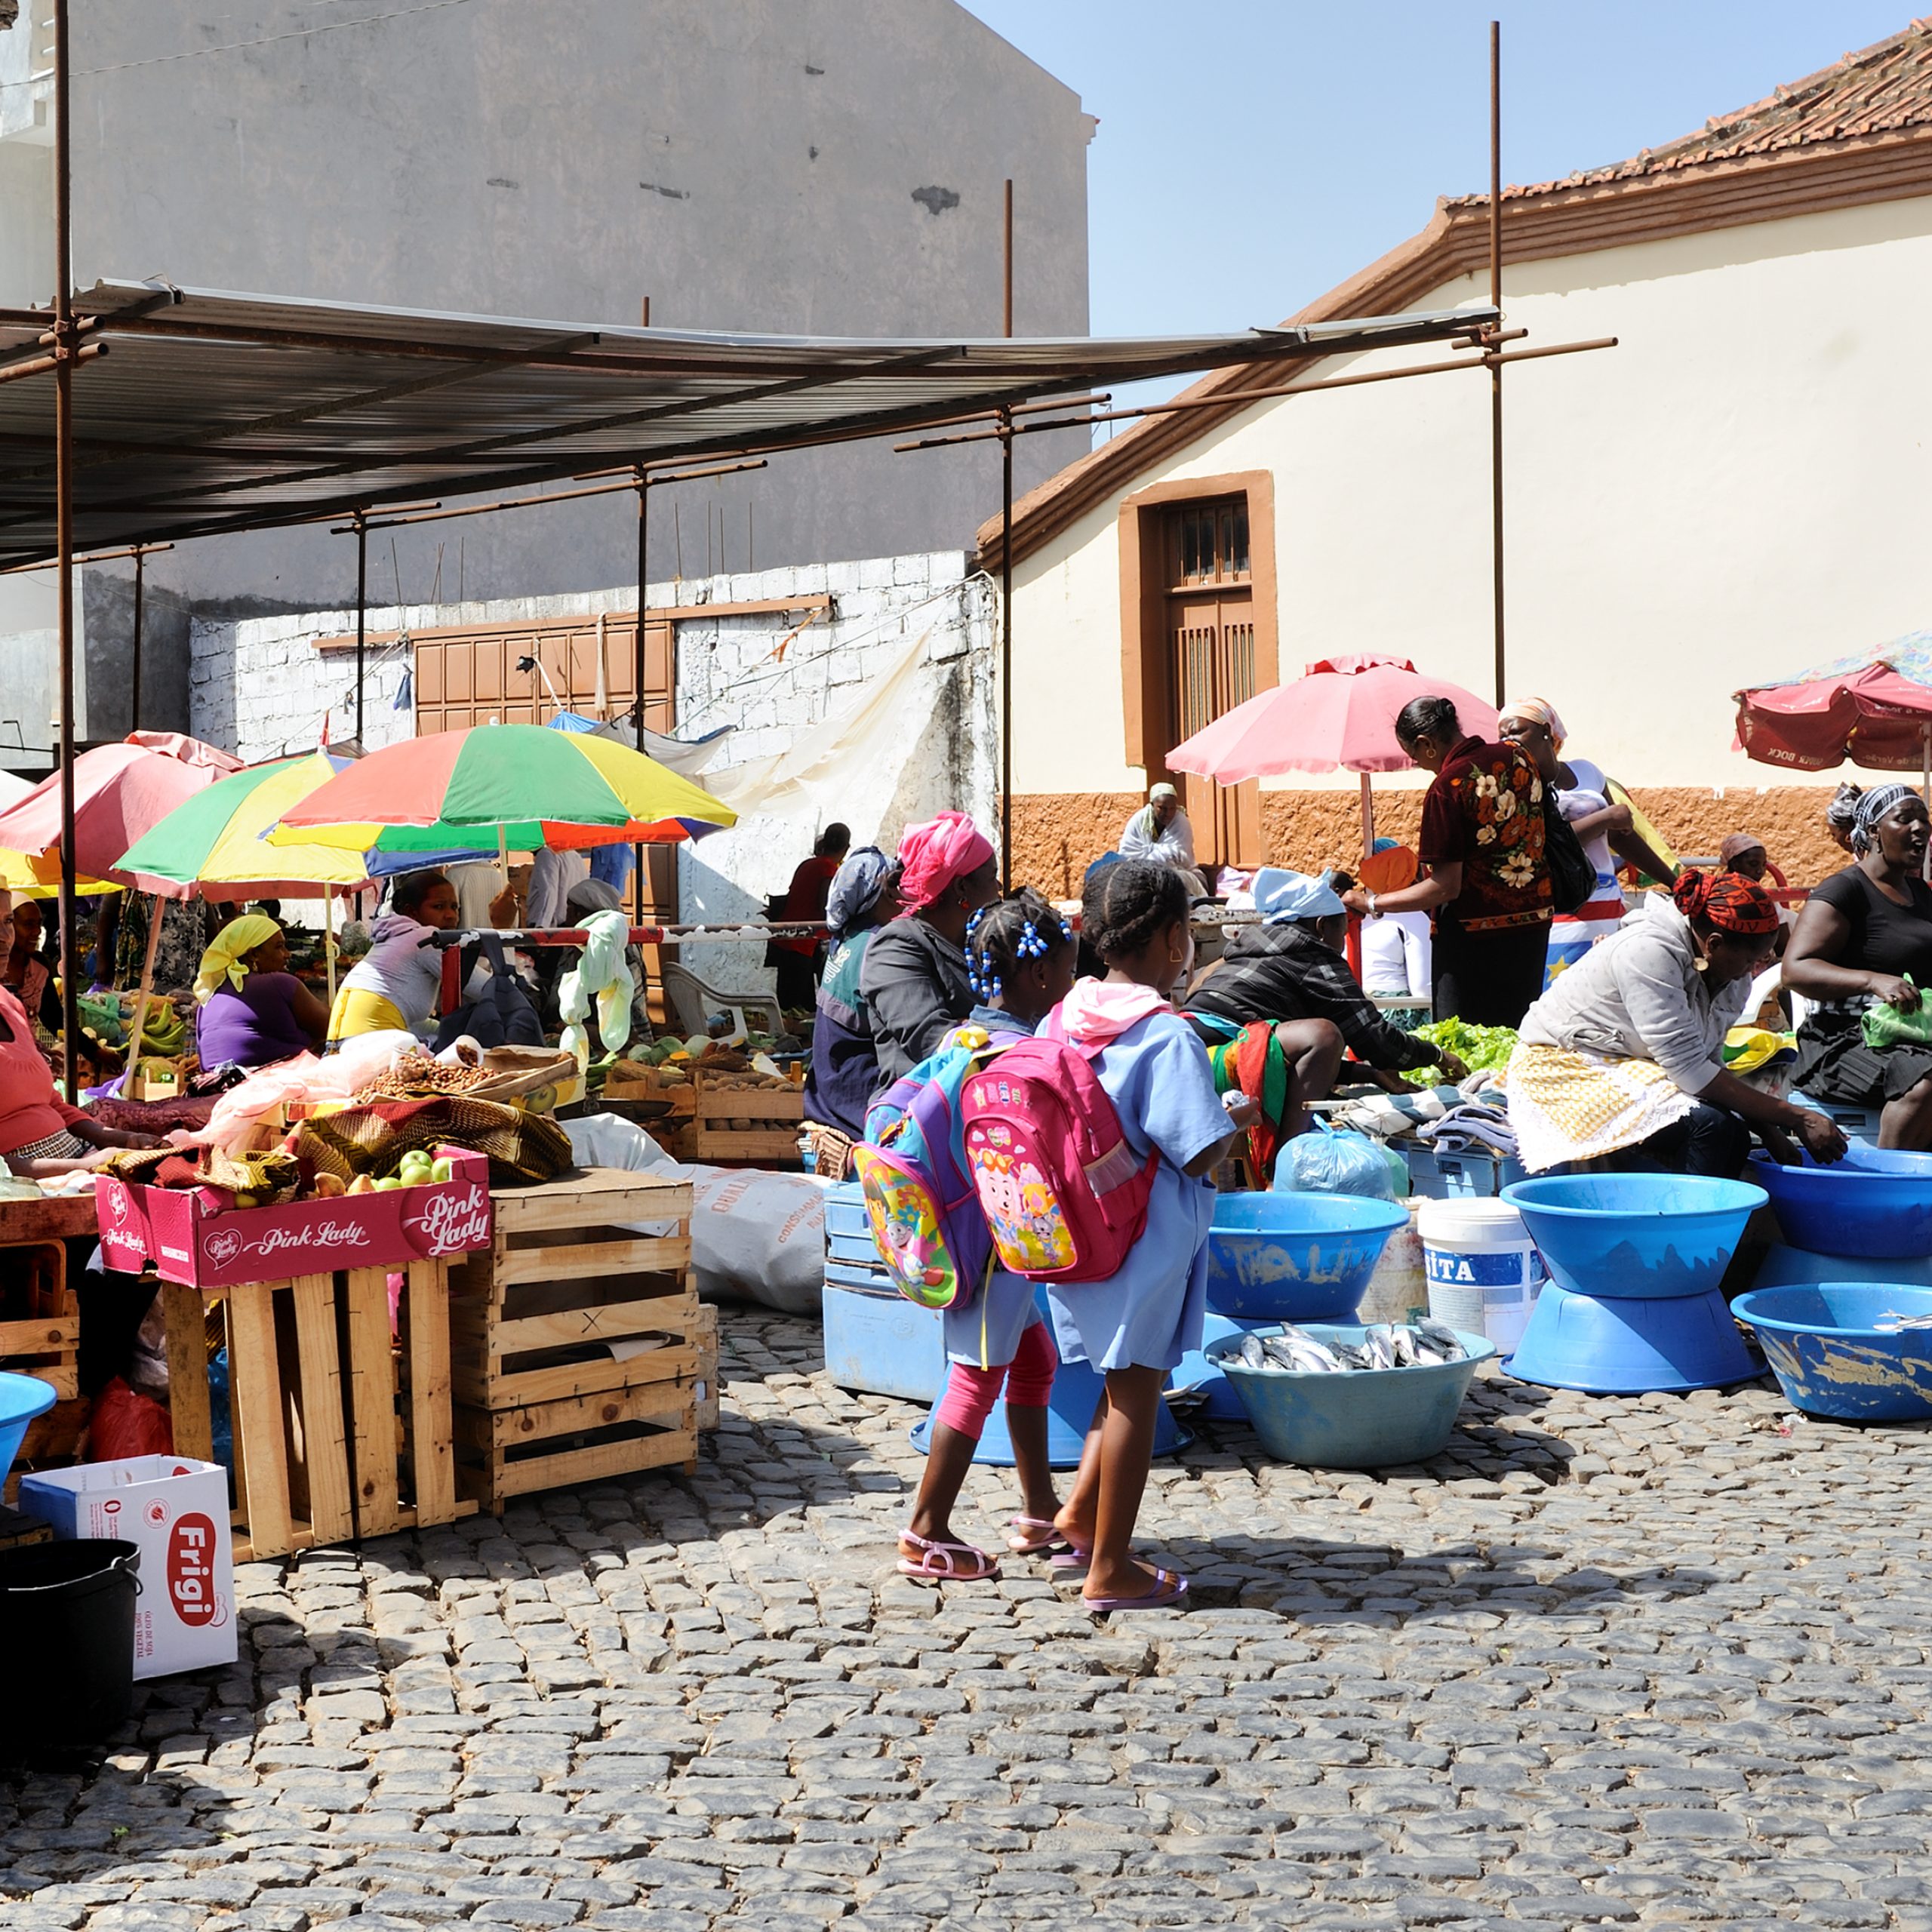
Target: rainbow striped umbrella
215,840
519,786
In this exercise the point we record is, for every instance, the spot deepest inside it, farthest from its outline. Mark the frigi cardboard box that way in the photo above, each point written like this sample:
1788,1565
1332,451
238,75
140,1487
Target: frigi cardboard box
174,1510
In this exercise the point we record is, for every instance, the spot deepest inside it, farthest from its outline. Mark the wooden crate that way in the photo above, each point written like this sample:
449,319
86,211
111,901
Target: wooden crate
40,1317
336,1435
573,1351
755,1124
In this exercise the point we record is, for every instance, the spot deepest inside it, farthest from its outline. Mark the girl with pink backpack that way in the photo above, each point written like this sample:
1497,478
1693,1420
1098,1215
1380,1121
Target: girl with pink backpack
1019,957
1135,1325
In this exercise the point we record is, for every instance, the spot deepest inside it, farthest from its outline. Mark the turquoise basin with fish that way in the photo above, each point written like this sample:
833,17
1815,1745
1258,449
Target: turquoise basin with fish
1360,1418
1838,1348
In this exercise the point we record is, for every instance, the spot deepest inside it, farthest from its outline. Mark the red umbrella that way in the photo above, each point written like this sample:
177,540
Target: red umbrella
1340,715
1874,716
120,791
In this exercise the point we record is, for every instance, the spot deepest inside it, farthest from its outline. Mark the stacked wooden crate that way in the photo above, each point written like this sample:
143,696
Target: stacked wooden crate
327,1447
40,1318
574,1340
735,1122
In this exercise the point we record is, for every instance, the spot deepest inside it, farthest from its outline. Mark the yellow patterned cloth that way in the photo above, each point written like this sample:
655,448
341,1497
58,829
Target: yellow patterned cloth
1572,1106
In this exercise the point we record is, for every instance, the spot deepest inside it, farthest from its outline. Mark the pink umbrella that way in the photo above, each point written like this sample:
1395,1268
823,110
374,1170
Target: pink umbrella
120,790
1340,715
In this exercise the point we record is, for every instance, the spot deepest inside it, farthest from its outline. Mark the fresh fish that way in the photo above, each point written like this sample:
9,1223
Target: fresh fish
1403,1339
1252,1353
1349,1356
1378,1343
1300,1353
1441,1338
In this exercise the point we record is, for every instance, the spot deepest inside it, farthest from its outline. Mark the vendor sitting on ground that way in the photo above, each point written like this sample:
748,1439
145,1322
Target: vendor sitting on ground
914,978
1623,1057
397,985
1281,1005
41,1136
845,1068
1864,941
254,1010
1158,833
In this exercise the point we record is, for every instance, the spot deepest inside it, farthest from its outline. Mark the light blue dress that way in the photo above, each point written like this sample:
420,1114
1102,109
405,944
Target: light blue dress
986,1333
1150,1314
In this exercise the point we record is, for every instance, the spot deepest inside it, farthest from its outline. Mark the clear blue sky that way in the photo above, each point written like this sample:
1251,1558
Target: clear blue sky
1253,153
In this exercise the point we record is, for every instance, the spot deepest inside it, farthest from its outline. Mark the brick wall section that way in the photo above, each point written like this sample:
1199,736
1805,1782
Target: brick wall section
1056,836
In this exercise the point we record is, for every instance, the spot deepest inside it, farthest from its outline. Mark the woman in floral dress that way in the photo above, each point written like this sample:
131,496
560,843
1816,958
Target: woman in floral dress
1486,881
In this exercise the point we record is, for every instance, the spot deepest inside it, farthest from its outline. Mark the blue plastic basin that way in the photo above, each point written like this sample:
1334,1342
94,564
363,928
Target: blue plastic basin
1623,1344
1875,1203
1363,1418
1296,1257
1642,1236
1830,1357
22,1397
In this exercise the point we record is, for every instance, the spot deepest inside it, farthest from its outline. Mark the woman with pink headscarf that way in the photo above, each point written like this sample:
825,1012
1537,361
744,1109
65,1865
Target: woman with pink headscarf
913,980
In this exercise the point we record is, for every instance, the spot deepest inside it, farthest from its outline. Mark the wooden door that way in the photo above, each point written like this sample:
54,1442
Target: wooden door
1210,639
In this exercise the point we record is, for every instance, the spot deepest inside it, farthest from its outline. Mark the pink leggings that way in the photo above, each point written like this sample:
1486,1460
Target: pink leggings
970,1392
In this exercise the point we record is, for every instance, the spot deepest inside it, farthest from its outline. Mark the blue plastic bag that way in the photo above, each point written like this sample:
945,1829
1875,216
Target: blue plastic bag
1330,1160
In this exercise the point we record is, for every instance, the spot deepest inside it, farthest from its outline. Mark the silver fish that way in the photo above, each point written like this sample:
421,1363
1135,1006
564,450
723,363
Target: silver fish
1404,1340
1441,1338
1378,1343
1252,1353
1350,1356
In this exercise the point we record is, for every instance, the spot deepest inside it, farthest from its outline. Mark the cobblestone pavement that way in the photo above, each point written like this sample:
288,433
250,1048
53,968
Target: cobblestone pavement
1653,1662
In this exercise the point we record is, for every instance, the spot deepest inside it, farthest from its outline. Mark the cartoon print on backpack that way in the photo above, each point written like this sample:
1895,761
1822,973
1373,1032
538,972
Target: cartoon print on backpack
1028,1230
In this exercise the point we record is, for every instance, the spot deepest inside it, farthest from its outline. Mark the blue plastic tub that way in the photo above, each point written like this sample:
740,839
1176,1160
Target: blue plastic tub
1196,1377
1831,1359
1784,1267
22,1397
1363,1418
1625,1344
1638,1236
1296,1257
1876,1203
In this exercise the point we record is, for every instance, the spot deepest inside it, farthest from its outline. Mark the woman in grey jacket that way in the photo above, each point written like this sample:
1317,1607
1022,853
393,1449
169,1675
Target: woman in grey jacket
1623,1057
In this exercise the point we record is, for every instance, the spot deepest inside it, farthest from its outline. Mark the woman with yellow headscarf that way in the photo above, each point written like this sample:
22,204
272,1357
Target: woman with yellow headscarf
254,1010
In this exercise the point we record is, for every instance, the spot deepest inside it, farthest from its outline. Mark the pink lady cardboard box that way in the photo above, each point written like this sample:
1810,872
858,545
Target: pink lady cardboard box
191,1240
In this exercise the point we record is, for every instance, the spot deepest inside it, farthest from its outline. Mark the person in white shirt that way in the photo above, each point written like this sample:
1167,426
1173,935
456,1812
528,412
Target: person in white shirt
1158,833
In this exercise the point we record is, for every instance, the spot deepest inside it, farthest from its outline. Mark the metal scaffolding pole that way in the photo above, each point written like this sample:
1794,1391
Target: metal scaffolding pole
361,522
64,352
1495,361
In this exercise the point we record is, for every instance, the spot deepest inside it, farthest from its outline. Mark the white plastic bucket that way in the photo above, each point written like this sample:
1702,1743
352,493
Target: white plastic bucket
1484,1273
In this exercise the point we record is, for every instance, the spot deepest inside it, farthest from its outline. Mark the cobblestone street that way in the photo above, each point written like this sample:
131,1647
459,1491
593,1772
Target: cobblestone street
1653,1662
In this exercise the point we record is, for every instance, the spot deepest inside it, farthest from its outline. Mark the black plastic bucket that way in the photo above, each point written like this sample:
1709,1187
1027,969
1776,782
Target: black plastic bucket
67,1635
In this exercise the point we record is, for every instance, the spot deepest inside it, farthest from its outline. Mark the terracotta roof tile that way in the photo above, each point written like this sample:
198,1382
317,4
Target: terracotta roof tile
1885,87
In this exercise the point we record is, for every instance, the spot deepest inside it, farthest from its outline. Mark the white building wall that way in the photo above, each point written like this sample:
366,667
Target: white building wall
1734,494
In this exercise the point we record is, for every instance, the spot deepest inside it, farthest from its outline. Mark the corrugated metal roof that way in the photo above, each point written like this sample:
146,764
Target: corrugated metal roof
213,411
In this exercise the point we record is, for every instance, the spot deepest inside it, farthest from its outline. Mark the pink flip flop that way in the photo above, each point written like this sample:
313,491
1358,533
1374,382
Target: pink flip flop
1048,1544
940,1562
1169,1589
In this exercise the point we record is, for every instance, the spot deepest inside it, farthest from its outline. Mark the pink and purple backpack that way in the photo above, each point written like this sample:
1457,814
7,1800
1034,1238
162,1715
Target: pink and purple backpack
1064,1194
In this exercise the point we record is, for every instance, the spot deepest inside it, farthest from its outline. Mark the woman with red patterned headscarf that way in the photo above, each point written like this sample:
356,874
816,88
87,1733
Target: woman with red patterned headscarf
913,980
1623,1058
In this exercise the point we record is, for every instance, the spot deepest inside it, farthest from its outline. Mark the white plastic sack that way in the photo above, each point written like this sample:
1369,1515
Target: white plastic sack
755,1236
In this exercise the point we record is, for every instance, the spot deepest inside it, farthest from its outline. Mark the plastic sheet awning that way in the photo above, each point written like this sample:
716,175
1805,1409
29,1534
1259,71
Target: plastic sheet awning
212,412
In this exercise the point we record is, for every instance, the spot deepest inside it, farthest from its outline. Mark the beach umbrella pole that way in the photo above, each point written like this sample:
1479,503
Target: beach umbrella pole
329,941
147,982
1367,818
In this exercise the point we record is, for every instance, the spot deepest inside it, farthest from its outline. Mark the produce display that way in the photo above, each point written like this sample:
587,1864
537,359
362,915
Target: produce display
1383,1345
1482,1049
416,1169
417,1077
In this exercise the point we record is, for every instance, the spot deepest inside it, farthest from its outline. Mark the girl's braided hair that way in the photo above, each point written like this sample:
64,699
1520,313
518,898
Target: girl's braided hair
1124,906
1000,938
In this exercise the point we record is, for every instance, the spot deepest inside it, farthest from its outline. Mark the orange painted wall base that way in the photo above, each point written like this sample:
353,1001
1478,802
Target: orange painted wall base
1057,835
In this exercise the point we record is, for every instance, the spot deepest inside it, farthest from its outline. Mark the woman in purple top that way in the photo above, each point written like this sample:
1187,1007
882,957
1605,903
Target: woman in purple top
255,1011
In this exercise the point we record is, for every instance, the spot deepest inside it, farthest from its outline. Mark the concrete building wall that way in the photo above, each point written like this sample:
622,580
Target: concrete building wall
826,167
1734,494
262,689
